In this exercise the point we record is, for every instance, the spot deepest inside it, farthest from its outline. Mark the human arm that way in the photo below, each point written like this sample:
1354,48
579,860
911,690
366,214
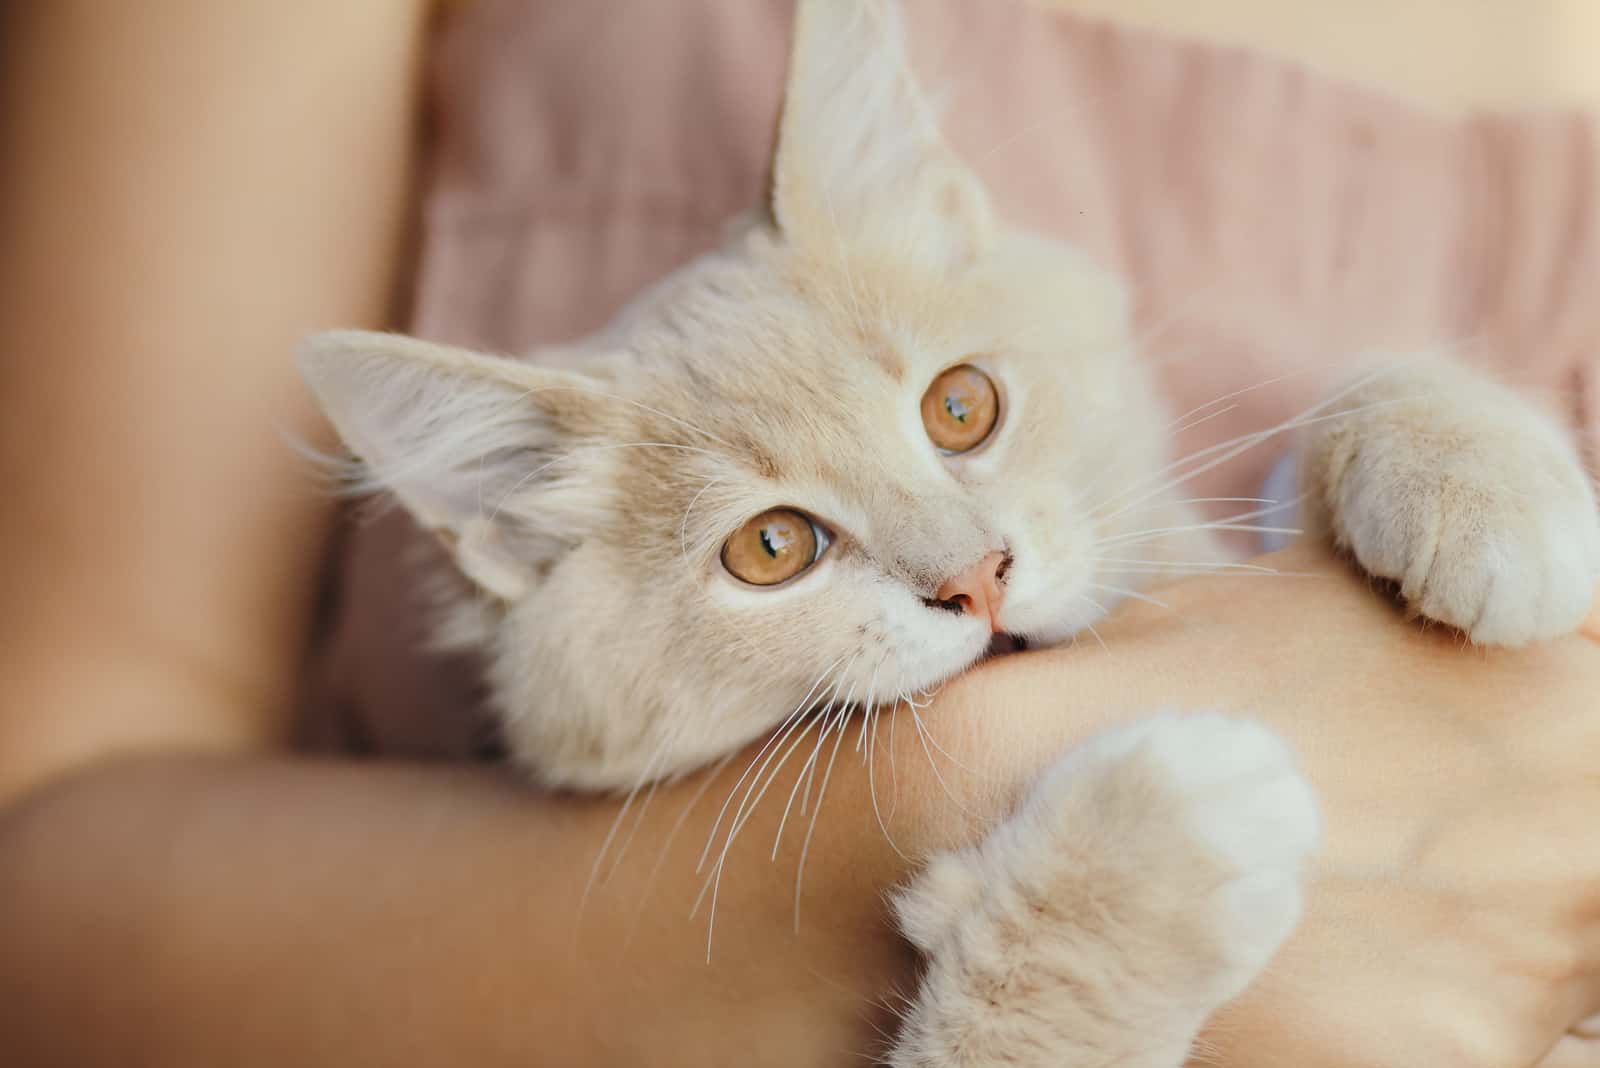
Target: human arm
189,188
322,913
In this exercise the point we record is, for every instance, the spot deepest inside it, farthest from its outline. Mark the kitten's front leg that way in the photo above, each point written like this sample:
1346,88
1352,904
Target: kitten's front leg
1147,878
1463,493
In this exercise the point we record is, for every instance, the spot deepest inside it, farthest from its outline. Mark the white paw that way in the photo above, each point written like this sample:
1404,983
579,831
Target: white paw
1244,800
1500,542
1147,879
1228,821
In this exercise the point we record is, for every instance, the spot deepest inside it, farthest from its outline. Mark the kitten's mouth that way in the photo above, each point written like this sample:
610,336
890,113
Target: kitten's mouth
1003,643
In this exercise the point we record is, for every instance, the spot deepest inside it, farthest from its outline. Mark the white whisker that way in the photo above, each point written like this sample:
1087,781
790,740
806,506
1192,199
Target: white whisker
933,765
1122,591
1209,565
808,770
894,772
788,805
869,697
872,780
1090,628
1203,419
805,848
708,778
1162,532
1224,451
646,774
1175,426
1173,573
773,739
622,850
1272,505
683,527
1103,612
741,817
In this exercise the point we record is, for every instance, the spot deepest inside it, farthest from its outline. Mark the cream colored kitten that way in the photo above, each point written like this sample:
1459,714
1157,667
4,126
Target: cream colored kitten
841,455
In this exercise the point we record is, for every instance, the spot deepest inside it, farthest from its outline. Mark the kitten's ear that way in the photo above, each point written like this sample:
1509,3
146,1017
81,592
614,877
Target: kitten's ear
859,155
462,439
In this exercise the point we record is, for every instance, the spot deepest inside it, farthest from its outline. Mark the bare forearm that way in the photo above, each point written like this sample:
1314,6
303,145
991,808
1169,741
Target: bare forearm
252,912
268,911
217,911
189,188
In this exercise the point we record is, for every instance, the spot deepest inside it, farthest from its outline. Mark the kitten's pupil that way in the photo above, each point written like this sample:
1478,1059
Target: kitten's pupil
956,407
767,540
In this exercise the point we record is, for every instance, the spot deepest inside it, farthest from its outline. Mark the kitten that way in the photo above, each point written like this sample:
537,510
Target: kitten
875,434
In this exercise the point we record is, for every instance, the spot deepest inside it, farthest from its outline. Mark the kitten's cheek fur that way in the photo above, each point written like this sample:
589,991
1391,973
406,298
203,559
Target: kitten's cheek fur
1045,624
1050,611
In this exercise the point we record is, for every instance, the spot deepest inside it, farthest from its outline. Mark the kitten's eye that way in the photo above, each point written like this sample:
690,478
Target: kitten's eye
773,547
960,408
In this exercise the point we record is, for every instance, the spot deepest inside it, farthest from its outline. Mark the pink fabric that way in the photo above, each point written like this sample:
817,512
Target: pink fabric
1269,219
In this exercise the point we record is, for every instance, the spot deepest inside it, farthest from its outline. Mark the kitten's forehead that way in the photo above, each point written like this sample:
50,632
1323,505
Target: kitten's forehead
792,409
789,374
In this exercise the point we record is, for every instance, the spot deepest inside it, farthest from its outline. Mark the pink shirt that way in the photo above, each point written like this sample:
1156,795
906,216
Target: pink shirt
1269,219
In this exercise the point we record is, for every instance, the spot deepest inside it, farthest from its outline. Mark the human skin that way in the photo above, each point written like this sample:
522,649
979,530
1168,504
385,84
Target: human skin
189,188
186,910
181,204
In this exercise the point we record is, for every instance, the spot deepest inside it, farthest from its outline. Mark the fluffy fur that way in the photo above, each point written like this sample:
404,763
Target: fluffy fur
585,494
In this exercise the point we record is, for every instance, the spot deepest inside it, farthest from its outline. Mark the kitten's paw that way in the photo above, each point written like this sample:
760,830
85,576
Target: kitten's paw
1501,542
1146,880
1192,829
1243,823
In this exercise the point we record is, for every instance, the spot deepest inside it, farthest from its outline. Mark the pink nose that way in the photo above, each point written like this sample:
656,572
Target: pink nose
978,590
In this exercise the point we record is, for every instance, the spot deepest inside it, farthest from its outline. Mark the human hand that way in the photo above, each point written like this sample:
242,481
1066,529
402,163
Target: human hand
1454,913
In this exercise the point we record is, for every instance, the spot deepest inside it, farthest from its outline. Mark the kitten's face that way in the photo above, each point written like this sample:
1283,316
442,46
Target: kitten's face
641,623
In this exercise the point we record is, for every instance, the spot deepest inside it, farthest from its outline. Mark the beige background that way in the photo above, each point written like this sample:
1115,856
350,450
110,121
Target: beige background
1447,53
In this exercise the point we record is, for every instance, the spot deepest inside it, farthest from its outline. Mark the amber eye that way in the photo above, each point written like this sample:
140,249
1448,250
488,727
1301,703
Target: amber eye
960,408
773,547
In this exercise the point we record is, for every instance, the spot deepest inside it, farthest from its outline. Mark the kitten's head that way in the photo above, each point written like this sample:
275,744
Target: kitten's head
828,462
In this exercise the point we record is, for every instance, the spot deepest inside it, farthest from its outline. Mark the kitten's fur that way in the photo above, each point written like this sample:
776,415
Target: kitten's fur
586,493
